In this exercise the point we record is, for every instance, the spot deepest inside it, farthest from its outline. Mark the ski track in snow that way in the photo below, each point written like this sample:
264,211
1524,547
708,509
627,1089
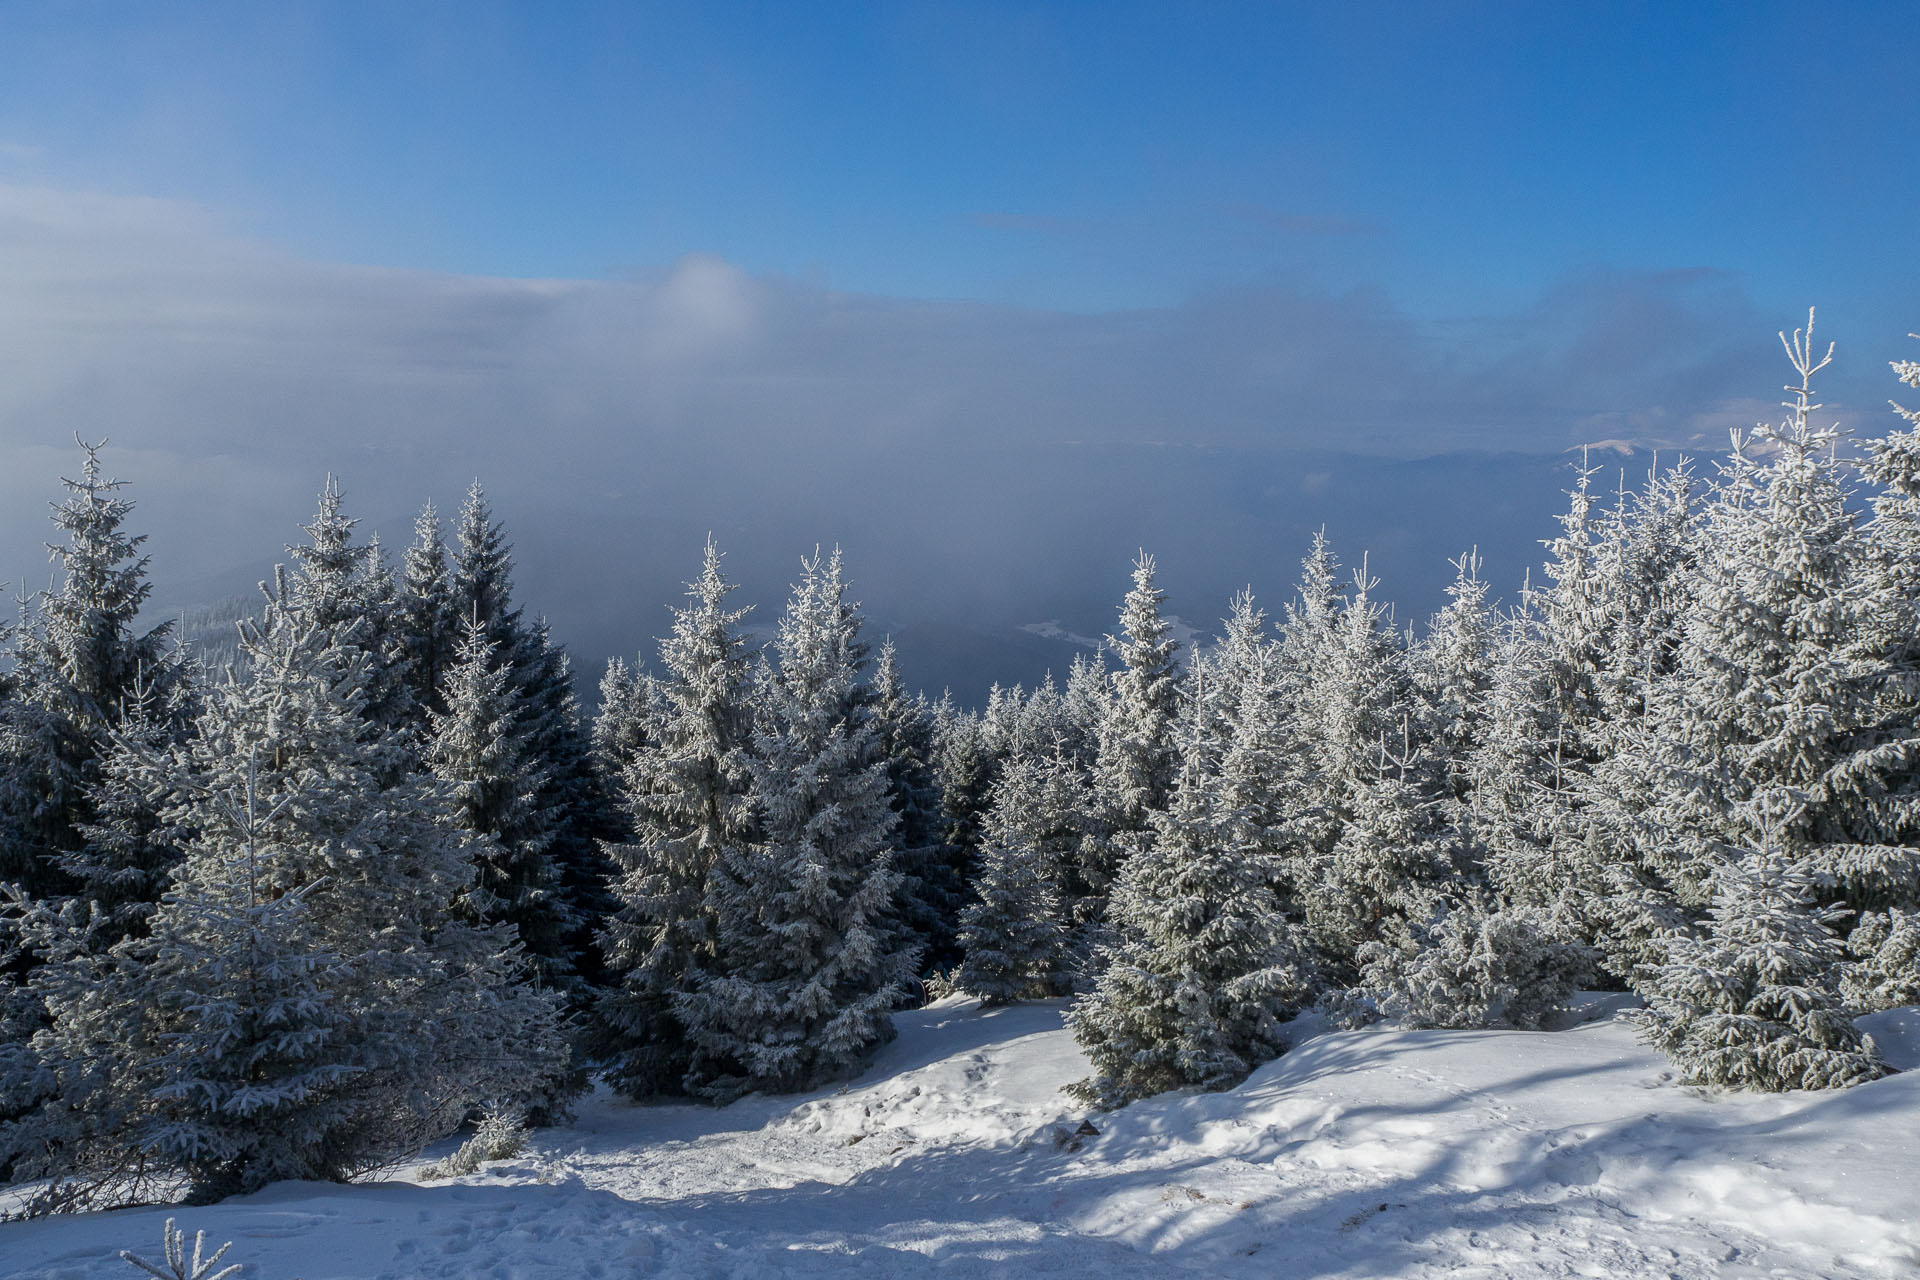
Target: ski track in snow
1358,1154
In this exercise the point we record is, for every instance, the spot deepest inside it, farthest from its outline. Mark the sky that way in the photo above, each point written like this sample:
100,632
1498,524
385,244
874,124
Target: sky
710,263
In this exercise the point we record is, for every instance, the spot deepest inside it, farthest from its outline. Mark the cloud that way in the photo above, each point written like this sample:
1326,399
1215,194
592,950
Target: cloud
970,456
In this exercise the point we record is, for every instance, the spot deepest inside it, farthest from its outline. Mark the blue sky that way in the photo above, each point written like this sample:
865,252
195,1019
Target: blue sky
1083,156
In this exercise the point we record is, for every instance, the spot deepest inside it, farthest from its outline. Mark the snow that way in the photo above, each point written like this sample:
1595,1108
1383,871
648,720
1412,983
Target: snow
1380,1152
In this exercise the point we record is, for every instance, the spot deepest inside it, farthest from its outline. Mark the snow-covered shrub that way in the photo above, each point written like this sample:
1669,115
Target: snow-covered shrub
1347,1008
1887,976
1753,1003
1478,965
500,1135
179,1266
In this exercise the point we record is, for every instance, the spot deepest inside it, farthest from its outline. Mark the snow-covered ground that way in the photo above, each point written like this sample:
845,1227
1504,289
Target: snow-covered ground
1369,1153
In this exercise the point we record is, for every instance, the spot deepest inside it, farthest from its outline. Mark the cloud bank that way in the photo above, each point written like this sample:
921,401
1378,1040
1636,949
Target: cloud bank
970,456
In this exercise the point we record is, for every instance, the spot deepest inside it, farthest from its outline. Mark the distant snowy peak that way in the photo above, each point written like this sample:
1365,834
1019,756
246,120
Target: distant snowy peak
1619,448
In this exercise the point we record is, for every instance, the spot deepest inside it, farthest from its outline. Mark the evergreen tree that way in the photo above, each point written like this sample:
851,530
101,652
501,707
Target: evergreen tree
1013,937
350,590
1204,967
1084,708
686,790
931,893
123,871
805,966
1373,845
307,1002
627,708
572,791
1476,964
1886,974
1453,669
480,752
967,763
1751,1004
78,660
1752,737
1137,758
428,628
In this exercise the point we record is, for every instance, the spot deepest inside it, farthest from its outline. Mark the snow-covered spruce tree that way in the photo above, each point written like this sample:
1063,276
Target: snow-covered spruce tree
1084,704
576,795
620,729
1204,965
688,796
1137,758
1886,971
427,628
1477,964
308,1001
931,893
78,660
123,871
1262,760
806,965
1014,940
572,791
479,751
1751,1003
1452,668
966,764
1375,844
1879,770
1752,736
350,591
1517,780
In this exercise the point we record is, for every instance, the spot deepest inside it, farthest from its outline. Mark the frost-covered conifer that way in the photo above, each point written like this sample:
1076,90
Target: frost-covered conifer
350,590
1374,844
307,1002
123,870
931,894
427,627
1014,939
480,751
1751,737
78,660
1476,964
1137,758
1084,704
572,792
1884,650
1516,777
626,710
1204,965
806,965
1886,974
687,794
967,763
1751,1002
1453,667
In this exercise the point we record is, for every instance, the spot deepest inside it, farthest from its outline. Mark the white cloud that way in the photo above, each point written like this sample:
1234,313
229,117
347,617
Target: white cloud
982,439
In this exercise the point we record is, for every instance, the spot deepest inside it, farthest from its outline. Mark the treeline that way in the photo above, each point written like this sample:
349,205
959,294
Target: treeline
301,915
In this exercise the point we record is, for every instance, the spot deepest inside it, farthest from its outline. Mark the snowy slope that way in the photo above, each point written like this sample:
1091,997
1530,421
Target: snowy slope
1370,1153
